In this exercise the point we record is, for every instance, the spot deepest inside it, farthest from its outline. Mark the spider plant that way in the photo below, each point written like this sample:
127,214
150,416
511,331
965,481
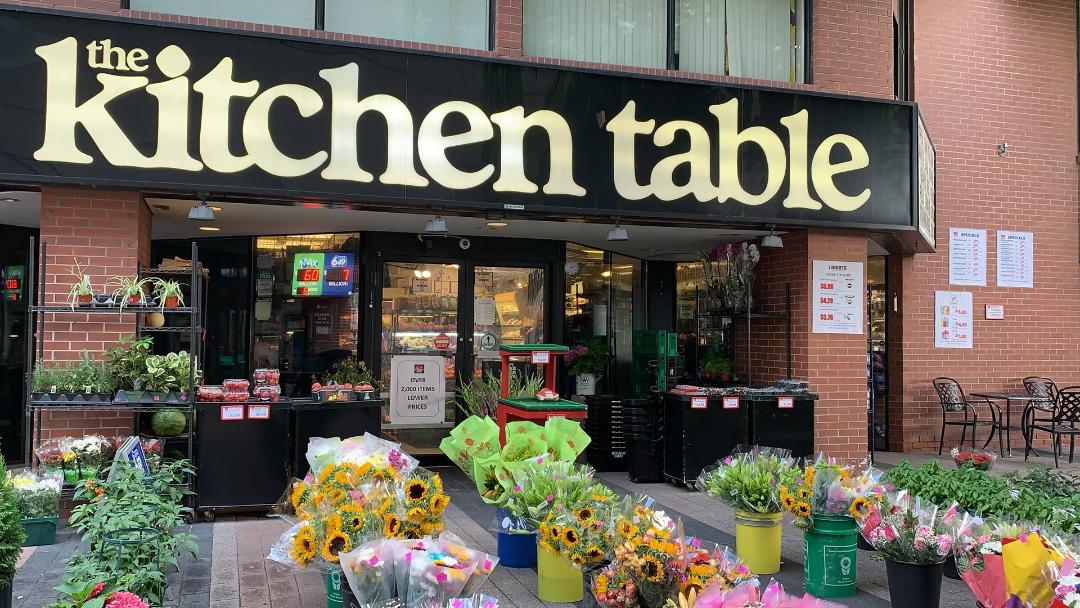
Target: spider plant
170,294
81,291
129,290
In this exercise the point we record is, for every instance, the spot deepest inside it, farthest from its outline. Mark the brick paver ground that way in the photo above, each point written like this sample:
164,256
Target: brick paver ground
231,570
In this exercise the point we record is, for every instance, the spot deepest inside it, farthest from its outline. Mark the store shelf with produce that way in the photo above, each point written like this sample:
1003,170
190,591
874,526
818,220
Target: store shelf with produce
112,309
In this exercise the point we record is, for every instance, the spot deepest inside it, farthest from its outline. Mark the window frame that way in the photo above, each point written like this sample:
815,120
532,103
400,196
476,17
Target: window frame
319,23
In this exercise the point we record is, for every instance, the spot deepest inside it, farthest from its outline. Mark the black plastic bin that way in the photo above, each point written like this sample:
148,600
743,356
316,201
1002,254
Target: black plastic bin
696,437
607,426
645,437
791,428
331,419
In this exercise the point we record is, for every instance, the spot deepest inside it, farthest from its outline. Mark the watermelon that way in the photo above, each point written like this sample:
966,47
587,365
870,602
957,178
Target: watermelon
168,423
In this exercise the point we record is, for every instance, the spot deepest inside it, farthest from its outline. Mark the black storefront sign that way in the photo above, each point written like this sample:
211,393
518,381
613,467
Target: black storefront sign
105,102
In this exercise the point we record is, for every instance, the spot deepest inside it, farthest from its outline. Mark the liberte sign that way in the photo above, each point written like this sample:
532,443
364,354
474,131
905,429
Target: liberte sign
130,105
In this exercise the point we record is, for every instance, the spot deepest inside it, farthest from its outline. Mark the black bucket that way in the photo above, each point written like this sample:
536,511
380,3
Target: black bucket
864,544
949,569
914,584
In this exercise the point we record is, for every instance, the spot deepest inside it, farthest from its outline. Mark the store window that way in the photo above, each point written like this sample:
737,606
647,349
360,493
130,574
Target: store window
748,38
306,310
462,23
287,13
706,340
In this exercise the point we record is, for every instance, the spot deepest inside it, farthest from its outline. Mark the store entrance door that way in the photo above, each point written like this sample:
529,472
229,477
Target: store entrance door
507,308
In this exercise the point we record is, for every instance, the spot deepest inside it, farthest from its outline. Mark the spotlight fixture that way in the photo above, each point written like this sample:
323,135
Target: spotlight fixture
1003,149
618,233
772,239
496,224
209,228
436,225
201,212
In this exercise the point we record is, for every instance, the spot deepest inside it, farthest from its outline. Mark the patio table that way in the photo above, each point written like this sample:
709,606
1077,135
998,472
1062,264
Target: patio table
1007,426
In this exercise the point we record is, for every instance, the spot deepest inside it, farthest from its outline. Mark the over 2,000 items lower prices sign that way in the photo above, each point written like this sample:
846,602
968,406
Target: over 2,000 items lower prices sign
418,389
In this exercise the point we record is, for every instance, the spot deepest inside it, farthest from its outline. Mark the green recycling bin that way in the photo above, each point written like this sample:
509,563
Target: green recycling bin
829,560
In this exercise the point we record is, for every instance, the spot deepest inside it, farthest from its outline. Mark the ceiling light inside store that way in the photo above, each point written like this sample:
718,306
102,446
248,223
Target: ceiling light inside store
618,233
201,213
436,225
497,224
209,228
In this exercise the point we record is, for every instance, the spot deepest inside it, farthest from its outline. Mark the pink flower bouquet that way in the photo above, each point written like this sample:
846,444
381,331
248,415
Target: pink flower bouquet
435,578
750,595
908,529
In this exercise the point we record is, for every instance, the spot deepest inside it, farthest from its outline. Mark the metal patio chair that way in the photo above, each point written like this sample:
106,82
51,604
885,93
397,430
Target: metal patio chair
1065,420
953,402
1039,411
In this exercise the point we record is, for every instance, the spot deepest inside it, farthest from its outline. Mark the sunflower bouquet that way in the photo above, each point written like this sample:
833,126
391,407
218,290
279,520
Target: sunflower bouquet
424,502
908,529
583,531
751,479
830,488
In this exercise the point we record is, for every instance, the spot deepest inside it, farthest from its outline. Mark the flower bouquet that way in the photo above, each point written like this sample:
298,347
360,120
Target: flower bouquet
981,460
749,595
37,495
424,504
908,529
435,578
581,531
51,456
475,438
90,453
541,483
369,571
750,479
830,488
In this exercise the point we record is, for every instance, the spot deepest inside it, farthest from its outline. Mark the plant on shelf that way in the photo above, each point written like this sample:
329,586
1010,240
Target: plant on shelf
729,274
129,290
126,361
11,534
169,372
43,380
81,291
169,293
351,371
714,366
588,358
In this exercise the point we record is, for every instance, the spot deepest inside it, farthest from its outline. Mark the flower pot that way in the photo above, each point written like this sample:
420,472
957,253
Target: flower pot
757,540
516,549
948,569
88,473
39,530
829,557
585,384
134,300
85,299
42,397
864,544
557,580
5,596
71,476
172,301
333,589
914,584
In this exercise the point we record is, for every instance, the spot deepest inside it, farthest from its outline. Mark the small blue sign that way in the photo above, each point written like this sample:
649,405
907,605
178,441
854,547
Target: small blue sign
338,272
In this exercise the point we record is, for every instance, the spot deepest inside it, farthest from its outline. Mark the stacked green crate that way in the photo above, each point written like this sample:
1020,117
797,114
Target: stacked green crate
655,351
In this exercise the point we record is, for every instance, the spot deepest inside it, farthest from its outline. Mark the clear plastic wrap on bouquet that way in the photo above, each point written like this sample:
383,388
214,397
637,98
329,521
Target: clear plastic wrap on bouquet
435,578
405,551
751,595
369,571
475,600
750,477
324,451
484,564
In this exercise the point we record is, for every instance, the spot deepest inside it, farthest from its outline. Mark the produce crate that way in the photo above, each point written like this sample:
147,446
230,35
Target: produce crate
40,530
607,429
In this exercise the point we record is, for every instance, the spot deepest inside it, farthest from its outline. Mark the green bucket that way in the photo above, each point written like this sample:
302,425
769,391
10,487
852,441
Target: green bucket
333,589
829,560
40,530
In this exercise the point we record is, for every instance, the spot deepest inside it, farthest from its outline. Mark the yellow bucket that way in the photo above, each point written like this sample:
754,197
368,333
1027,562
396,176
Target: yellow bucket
757,540
557,580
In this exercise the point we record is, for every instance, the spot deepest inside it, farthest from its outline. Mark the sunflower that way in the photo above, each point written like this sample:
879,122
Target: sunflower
438,503
362,470
859,507
601,497
411,532
391,525
546,546
784,493
353,515
386,506
845,474
625,528
342,477
584,514
600,585
788,501
802,509
336,496
303,546
594,553
577,559
554,533
299,492
570,537
333,523
427,528
326,473
804,493
415,490
436,483
652,569
416,515
809,475
336,542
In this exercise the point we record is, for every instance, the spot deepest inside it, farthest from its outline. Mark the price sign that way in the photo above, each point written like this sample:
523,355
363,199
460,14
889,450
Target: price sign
540,357
785,403
699,403
232,412
258,412
731,403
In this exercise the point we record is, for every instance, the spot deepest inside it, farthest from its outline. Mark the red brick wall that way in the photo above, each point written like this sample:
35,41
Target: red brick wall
987,72
106,232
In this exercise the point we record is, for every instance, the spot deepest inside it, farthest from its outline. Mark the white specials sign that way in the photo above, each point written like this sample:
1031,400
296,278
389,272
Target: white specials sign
418,389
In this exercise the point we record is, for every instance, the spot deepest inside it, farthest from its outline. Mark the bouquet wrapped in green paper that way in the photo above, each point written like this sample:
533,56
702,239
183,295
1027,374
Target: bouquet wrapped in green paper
475,438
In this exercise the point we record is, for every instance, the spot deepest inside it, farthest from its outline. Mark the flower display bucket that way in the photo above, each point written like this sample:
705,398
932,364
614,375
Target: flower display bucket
948,569
557,580
914,584
757,540
333,589
516,549
829,560
40,530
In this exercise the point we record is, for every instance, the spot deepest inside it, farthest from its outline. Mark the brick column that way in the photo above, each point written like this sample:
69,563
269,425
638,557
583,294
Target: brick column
508,28
107,233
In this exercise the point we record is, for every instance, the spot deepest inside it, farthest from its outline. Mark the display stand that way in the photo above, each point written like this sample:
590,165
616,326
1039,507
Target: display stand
530,408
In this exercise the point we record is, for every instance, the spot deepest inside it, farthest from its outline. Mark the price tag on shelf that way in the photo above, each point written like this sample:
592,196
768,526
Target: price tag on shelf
258,412
541,357
785,403
731,403
699,403
232,412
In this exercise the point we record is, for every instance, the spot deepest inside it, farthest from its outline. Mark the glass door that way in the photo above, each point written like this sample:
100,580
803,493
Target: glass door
508,308
420,339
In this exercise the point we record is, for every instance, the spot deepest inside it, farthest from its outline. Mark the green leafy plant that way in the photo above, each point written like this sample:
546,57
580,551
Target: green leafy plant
126,361
128,501
589,358
714,365
12,534
43,379
164,289
351,371
169,372
81,288
750,480
129,290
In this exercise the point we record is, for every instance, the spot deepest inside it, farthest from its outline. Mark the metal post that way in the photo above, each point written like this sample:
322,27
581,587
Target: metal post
28,352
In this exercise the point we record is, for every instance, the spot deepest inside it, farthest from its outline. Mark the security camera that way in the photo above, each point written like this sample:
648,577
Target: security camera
464,243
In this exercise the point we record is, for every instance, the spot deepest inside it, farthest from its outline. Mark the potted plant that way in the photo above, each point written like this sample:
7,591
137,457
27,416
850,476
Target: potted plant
981,460
130,291
714,366
11,536
913,537
166,378
125,363
38,497
169,293
352,373
587,363
753,481
81,292
42,384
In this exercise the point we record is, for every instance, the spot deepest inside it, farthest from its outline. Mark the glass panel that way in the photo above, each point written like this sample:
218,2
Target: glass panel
420,317
625,274
508,308
706,340
876,353
621,32
301,326
288,13
749,38
461,23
